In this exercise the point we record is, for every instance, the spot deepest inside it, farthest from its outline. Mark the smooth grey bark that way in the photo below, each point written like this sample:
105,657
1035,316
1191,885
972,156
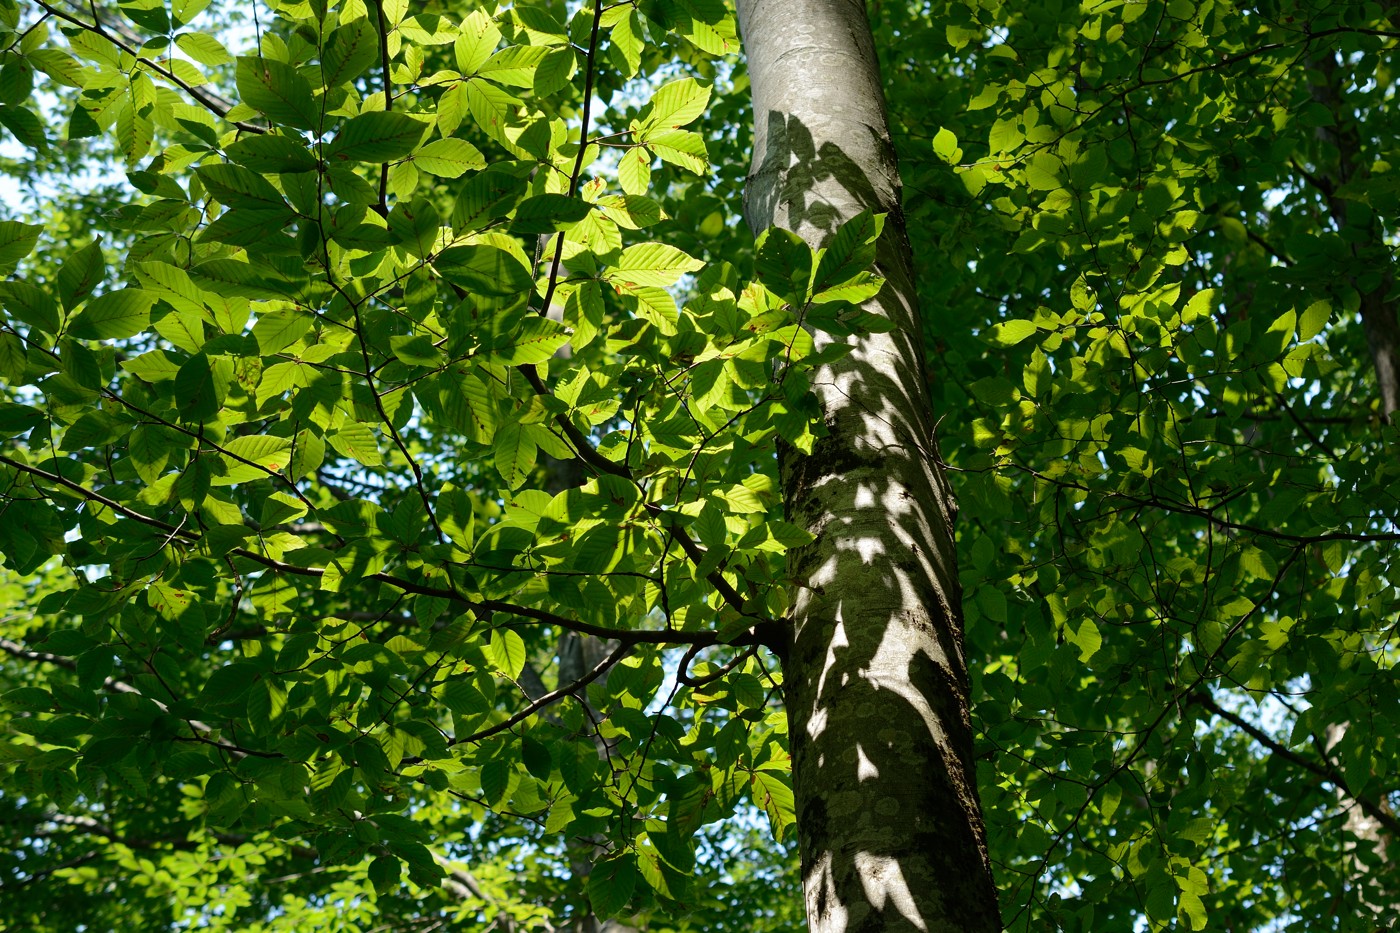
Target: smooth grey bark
888,817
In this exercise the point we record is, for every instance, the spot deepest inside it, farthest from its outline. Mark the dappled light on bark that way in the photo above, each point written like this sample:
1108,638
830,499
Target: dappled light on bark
876,682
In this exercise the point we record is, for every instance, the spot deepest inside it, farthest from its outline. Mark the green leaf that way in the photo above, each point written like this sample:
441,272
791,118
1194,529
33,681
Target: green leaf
203,48
495,780
228,682
377,136
236,186
484,270
353,47
1313,320
1190,904
202,385
945,146
63,68
548,213
416,350
506,651
186,10
461,697
278,90
125,312
534,753
1010,333
17,419
383,874
611,883
272,154
263,452
80,274
653,304
514,453
184,328
16,81
1090,169
356,441
632,211
14,358
1202,304
537,341
634,171
784,264
514,65
17,240
680,147
277,330
995,390
774,796
27,127
652,264
673,106
476,42
154,366
1044,171
555,71
449,158
856,290
1006,136
27,699
992,602
626,45
241,279
1087,639
850,252
30,304
600,549
486,197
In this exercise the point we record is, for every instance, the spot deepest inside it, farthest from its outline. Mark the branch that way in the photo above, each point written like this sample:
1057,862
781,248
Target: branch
590,69
1326,771
683,669
463,884
383,29
180,843
201,729
45,872
589,455
480,606
211,102
1209,515
547,699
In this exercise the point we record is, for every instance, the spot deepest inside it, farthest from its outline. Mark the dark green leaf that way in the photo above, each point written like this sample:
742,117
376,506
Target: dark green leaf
378,136
611,883
484,270
278,90
353,48
270,154
80,274
30,304
17,240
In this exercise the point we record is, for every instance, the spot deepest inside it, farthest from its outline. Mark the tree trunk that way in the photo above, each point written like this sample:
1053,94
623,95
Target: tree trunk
1379,317
876,684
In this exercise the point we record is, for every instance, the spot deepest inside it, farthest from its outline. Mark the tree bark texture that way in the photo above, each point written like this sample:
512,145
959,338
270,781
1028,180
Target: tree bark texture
876,688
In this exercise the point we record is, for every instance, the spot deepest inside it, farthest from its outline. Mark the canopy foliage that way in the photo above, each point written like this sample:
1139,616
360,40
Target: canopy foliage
391,530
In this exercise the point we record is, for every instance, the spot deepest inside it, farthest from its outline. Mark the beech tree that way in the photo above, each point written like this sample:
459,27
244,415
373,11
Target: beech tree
453,455
876,678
